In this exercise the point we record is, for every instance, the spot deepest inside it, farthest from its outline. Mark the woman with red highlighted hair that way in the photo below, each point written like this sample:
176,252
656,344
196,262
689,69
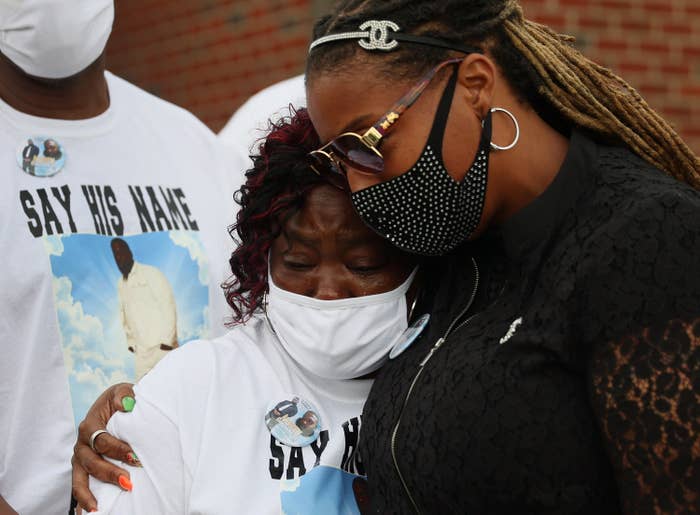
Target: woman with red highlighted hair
319,301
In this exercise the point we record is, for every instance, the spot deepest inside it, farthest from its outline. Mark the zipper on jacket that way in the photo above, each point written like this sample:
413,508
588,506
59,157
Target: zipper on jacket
421,367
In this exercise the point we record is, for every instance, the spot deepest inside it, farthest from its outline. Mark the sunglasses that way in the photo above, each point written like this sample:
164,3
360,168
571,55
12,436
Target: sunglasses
359,151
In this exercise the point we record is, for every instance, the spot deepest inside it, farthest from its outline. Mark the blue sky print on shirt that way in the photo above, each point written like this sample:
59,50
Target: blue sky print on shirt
85,284
323,489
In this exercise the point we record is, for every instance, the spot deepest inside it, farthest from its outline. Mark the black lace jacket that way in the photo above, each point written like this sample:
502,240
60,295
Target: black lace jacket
572,385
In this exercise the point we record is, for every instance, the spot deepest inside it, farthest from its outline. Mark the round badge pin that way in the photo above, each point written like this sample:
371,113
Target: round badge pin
409,336
293,421
40,156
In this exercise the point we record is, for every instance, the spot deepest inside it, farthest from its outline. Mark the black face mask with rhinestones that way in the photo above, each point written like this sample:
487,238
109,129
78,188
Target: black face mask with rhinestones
425,211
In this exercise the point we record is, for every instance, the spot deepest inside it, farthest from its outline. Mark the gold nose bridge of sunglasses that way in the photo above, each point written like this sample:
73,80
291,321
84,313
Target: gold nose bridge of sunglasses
326,158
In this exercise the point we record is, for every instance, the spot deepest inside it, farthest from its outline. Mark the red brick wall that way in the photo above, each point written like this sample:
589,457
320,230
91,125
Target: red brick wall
653,44
210,55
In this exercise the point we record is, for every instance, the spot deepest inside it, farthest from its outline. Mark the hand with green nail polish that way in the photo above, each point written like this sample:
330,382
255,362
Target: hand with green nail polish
128,403
119,397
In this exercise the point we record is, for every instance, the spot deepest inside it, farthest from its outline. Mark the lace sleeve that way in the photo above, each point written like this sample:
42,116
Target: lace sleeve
646,394
645,361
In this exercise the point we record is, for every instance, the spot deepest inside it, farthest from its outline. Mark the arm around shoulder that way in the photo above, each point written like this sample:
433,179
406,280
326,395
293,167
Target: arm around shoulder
171,402
6,509
161,484
645,360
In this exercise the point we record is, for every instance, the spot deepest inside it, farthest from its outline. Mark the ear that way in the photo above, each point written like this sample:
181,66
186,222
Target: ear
477,74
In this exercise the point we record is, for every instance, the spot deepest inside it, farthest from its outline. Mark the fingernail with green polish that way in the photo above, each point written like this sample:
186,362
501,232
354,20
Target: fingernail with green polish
133,459
128,403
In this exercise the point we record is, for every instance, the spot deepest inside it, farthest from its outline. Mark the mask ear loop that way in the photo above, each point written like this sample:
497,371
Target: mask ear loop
265,300
415,298
515,123
264,308
413,307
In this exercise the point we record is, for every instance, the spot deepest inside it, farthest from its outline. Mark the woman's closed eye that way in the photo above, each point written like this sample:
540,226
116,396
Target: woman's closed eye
366,268
298,264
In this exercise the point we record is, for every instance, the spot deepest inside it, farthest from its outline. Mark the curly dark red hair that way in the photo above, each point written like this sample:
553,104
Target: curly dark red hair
274,190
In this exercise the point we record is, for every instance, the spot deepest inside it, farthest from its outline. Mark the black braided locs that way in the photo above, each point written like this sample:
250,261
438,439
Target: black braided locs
563,86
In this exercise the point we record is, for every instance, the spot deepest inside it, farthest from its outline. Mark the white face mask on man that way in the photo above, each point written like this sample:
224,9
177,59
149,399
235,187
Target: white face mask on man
339,339
54,39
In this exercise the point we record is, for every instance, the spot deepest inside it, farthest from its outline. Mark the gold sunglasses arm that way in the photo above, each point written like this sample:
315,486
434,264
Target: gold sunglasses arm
374,134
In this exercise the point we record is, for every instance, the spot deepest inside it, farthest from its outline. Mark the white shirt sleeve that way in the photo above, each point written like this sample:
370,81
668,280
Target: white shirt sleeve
163,430
163,484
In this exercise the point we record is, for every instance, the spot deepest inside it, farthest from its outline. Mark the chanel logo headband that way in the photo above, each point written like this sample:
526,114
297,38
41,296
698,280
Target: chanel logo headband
386,35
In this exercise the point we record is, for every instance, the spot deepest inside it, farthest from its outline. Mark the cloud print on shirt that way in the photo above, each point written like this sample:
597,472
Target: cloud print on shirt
88,308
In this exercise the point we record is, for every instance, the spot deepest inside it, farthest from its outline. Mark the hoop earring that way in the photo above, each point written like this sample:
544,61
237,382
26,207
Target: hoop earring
515,123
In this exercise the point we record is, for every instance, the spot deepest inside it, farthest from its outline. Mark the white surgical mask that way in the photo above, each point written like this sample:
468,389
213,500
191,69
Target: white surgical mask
339,339
54,39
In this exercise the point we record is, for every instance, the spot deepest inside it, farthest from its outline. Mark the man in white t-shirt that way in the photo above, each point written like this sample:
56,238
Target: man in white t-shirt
121,163
148,311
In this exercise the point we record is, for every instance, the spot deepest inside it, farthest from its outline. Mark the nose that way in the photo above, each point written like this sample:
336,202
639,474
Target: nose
330,287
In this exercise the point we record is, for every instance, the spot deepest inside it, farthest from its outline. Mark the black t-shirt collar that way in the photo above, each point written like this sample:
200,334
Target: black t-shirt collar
532,227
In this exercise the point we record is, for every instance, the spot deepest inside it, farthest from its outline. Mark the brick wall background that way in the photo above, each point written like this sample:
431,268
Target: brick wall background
210,55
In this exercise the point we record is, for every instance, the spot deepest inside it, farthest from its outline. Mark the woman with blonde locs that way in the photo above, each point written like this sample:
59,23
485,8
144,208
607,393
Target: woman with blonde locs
560,371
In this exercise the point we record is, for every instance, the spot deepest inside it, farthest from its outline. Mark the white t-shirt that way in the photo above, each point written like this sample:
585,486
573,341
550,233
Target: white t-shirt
199,429
145,171
249,124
